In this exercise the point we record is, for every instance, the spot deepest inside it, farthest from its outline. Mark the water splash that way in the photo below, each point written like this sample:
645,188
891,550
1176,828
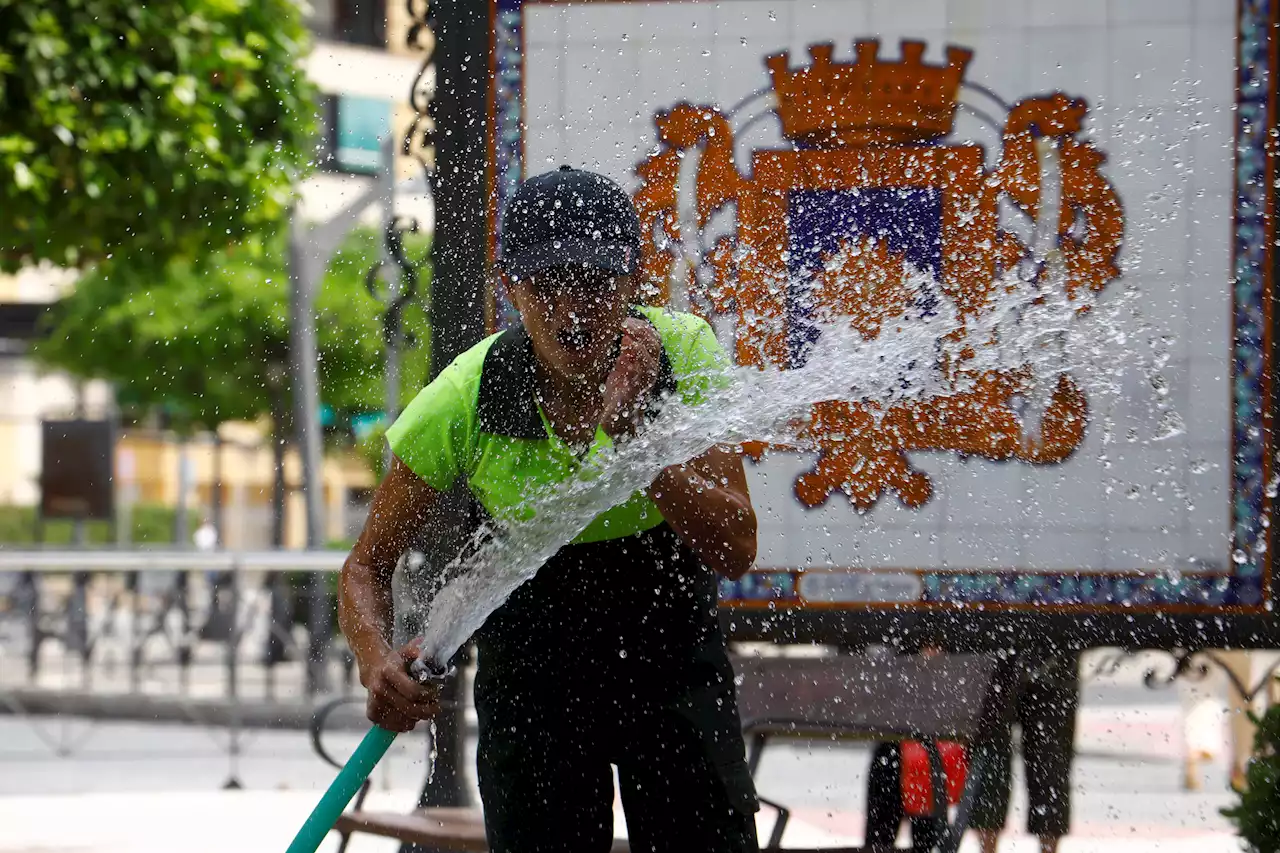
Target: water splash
433,752
1032,325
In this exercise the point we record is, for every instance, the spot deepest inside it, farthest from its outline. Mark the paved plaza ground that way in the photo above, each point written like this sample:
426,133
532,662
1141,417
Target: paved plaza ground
69,785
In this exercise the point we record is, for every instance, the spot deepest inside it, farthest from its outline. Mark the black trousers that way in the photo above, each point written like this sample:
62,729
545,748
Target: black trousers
1047,704
547,785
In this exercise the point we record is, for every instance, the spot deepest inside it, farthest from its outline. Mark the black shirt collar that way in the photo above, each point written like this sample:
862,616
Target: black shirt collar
506,405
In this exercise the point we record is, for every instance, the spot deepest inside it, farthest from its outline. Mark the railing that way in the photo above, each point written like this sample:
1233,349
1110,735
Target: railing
224,638
226,627
218,639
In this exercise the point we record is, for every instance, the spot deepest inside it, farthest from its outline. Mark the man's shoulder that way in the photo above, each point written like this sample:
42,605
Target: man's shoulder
674,325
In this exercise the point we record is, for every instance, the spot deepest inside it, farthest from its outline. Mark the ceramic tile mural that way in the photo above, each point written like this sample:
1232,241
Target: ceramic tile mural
1175,213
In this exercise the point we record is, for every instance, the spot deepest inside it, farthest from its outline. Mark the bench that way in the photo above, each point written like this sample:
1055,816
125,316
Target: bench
960,697
955,697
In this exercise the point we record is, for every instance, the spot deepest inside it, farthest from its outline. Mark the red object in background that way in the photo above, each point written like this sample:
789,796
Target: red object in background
917,789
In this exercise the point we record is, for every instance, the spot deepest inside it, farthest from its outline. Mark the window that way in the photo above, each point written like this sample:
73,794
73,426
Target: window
352,21
361,124
351,129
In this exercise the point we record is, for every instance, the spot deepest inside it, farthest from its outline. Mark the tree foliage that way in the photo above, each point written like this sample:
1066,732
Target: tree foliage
1256,813
147,128
208,342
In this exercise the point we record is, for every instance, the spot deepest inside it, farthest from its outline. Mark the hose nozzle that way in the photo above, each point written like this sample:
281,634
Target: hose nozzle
426,671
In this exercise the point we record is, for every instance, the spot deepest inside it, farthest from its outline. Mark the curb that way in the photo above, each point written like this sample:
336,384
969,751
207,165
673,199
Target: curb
133,707
145,708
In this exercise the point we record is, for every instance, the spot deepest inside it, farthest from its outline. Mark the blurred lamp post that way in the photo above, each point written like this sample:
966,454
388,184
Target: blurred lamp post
310,248
449,138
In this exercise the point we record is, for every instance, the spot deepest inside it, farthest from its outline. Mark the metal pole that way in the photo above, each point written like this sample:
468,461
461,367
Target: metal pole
459,249
233,683
218,621
307,400
395,287
217,509
181,529
392,390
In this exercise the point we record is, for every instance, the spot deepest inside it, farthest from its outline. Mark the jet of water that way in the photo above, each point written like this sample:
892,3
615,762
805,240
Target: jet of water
899,365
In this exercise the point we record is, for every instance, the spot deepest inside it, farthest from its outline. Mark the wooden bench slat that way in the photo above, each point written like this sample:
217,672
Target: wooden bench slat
446,828
456,829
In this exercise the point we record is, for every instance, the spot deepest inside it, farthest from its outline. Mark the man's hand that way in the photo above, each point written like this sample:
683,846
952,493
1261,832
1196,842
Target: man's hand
707,502
396,701
635,372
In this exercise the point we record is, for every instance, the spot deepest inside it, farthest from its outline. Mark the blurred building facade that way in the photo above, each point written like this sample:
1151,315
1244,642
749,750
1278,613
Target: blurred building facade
364,71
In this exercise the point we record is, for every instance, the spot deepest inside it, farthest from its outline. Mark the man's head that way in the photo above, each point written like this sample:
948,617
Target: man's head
570,247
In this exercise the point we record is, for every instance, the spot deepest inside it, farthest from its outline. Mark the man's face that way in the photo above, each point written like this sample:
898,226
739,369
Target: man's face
574,317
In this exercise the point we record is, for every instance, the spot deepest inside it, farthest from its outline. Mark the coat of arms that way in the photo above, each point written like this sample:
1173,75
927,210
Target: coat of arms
873,193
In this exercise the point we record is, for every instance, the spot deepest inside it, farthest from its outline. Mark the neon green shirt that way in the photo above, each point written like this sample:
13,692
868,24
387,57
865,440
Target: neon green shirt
478,420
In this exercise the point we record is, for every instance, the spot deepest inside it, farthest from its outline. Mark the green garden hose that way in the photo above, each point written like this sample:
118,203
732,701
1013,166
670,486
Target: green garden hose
352,775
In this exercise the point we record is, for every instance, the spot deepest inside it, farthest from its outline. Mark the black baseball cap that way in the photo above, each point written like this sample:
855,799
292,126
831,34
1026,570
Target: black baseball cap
570,216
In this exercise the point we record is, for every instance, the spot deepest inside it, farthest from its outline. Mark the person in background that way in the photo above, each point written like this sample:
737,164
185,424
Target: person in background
885,809
206,536
1215,716
1047,701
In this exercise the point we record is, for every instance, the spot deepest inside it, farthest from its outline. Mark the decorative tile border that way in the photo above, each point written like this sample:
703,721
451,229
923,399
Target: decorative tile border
1250,355
1247,586
785,588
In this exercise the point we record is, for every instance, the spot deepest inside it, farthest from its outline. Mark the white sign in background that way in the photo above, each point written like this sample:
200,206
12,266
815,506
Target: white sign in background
1159,80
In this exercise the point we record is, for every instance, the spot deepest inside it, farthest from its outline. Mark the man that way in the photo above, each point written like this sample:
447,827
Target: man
206,536
613,653
221,620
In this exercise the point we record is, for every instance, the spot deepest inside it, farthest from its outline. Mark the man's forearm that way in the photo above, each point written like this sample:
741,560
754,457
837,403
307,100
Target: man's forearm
365,610
715,521
401,505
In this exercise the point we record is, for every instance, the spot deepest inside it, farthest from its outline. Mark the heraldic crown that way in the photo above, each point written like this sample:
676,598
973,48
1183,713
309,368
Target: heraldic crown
868,101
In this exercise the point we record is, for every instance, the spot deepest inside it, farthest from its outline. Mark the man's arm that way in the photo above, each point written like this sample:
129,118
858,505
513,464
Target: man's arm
704,499
707,502
402,504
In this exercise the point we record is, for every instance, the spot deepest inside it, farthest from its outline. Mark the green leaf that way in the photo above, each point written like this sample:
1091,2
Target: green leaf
204,102
1256,813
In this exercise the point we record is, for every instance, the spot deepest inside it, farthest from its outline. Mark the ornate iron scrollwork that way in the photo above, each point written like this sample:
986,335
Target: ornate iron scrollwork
417,143
1184,664
394,299
418,139
1187,664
